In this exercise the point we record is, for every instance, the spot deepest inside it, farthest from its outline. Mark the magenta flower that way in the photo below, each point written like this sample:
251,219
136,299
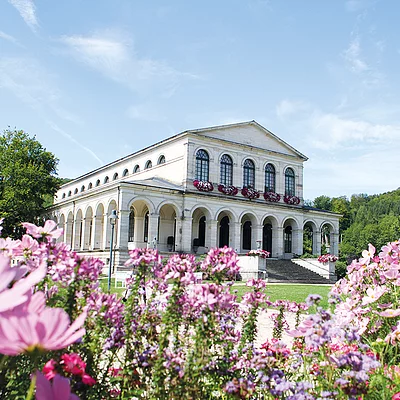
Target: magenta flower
18,293
59,390
49,230
49,329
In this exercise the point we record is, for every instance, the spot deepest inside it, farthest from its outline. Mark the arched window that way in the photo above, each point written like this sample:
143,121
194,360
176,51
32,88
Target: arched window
131,233
288,239
63,195
136,169
146,228
115,176
289,182
83,188
202,231
106,179
90,185
69,194
269,178
98,182
75,191
148,165
246,236
202,165
125,173
161,160
248,174
226,170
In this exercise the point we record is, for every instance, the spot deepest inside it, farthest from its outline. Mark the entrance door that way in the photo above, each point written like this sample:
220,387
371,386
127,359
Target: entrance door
224,232
267,238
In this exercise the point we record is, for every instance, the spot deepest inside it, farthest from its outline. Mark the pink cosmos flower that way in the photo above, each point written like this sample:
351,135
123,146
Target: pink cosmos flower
373,294
59,390
49,230
19,292
49,329
390,313
367,255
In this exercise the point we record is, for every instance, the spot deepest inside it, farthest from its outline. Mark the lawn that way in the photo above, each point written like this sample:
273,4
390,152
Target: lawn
292,292
276,291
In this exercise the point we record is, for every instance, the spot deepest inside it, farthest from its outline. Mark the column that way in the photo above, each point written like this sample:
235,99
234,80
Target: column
213,233
106,239
277,242
178,234
153,230
138,233
121,239
256,236
236,242
186,243
335,244
317,243
297,244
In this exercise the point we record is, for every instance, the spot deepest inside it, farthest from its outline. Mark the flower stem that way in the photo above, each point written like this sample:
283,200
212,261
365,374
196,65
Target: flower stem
29,395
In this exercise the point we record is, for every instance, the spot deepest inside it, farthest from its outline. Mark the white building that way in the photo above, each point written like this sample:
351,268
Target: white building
186,194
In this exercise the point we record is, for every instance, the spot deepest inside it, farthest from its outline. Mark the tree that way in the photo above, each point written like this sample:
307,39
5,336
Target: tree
27,177
323,203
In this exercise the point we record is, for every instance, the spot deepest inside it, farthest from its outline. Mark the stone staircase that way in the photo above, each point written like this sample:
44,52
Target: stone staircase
286,271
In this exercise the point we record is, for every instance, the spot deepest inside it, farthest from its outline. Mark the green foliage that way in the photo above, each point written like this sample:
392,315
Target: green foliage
27,180
323,203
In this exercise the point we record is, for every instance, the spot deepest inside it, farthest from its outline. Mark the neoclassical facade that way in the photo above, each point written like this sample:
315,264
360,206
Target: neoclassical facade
237,185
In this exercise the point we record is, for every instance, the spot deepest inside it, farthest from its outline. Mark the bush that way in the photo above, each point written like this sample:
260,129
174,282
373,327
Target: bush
174,339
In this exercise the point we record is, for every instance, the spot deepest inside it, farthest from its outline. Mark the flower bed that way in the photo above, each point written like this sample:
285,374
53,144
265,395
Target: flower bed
173,338
203,186
229,190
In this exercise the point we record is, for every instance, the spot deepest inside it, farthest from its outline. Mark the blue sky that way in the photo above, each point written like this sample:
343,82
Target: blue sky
96,80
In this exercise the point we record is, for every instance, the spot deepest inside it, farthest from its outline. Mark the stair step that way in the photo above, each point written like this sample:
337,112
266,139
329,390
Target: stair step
286,271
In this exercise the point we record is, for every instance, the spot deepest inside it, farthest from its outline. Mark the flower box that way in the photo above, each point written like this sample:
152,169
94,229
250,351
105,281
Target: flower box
272,196
250,193
203,186
229,190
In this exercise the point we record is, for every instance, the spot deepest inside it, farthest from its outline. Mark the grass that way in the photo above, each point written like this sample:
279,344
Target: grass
291,292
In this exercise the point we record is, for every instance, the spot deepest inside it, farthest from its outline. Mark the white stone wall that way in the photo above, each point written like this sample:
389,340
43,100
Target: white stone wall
176,211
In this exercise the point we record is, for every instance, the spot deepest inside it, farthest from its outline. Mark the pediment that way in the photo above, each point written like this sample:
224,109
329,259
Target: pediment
251,134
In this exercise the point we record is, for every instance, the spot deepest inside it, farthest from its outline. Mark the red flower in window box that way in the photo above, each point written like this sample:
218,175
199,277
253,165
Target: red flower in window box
272,196
229,190
250,193
291,199
203,186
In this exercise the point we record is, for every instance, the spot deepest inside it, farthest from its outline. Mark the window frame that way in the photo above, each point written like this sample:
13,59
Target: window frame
249,173
226,170
202,165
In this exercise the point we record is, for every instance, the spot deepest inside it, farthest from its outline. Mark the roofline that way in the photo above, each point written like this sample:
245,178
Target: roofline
252,122
181,134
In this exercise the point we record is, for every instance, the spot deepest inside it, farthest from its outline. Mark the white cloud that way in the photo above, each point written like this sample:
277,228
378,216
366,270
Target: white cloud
353,56
27,10
10,38
114,56
145,112
29,82
286,108
331,131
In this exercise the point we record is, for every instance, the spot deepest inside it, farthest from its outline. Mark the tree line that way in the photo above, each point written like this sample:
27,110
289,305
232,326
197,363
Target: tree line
366,219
